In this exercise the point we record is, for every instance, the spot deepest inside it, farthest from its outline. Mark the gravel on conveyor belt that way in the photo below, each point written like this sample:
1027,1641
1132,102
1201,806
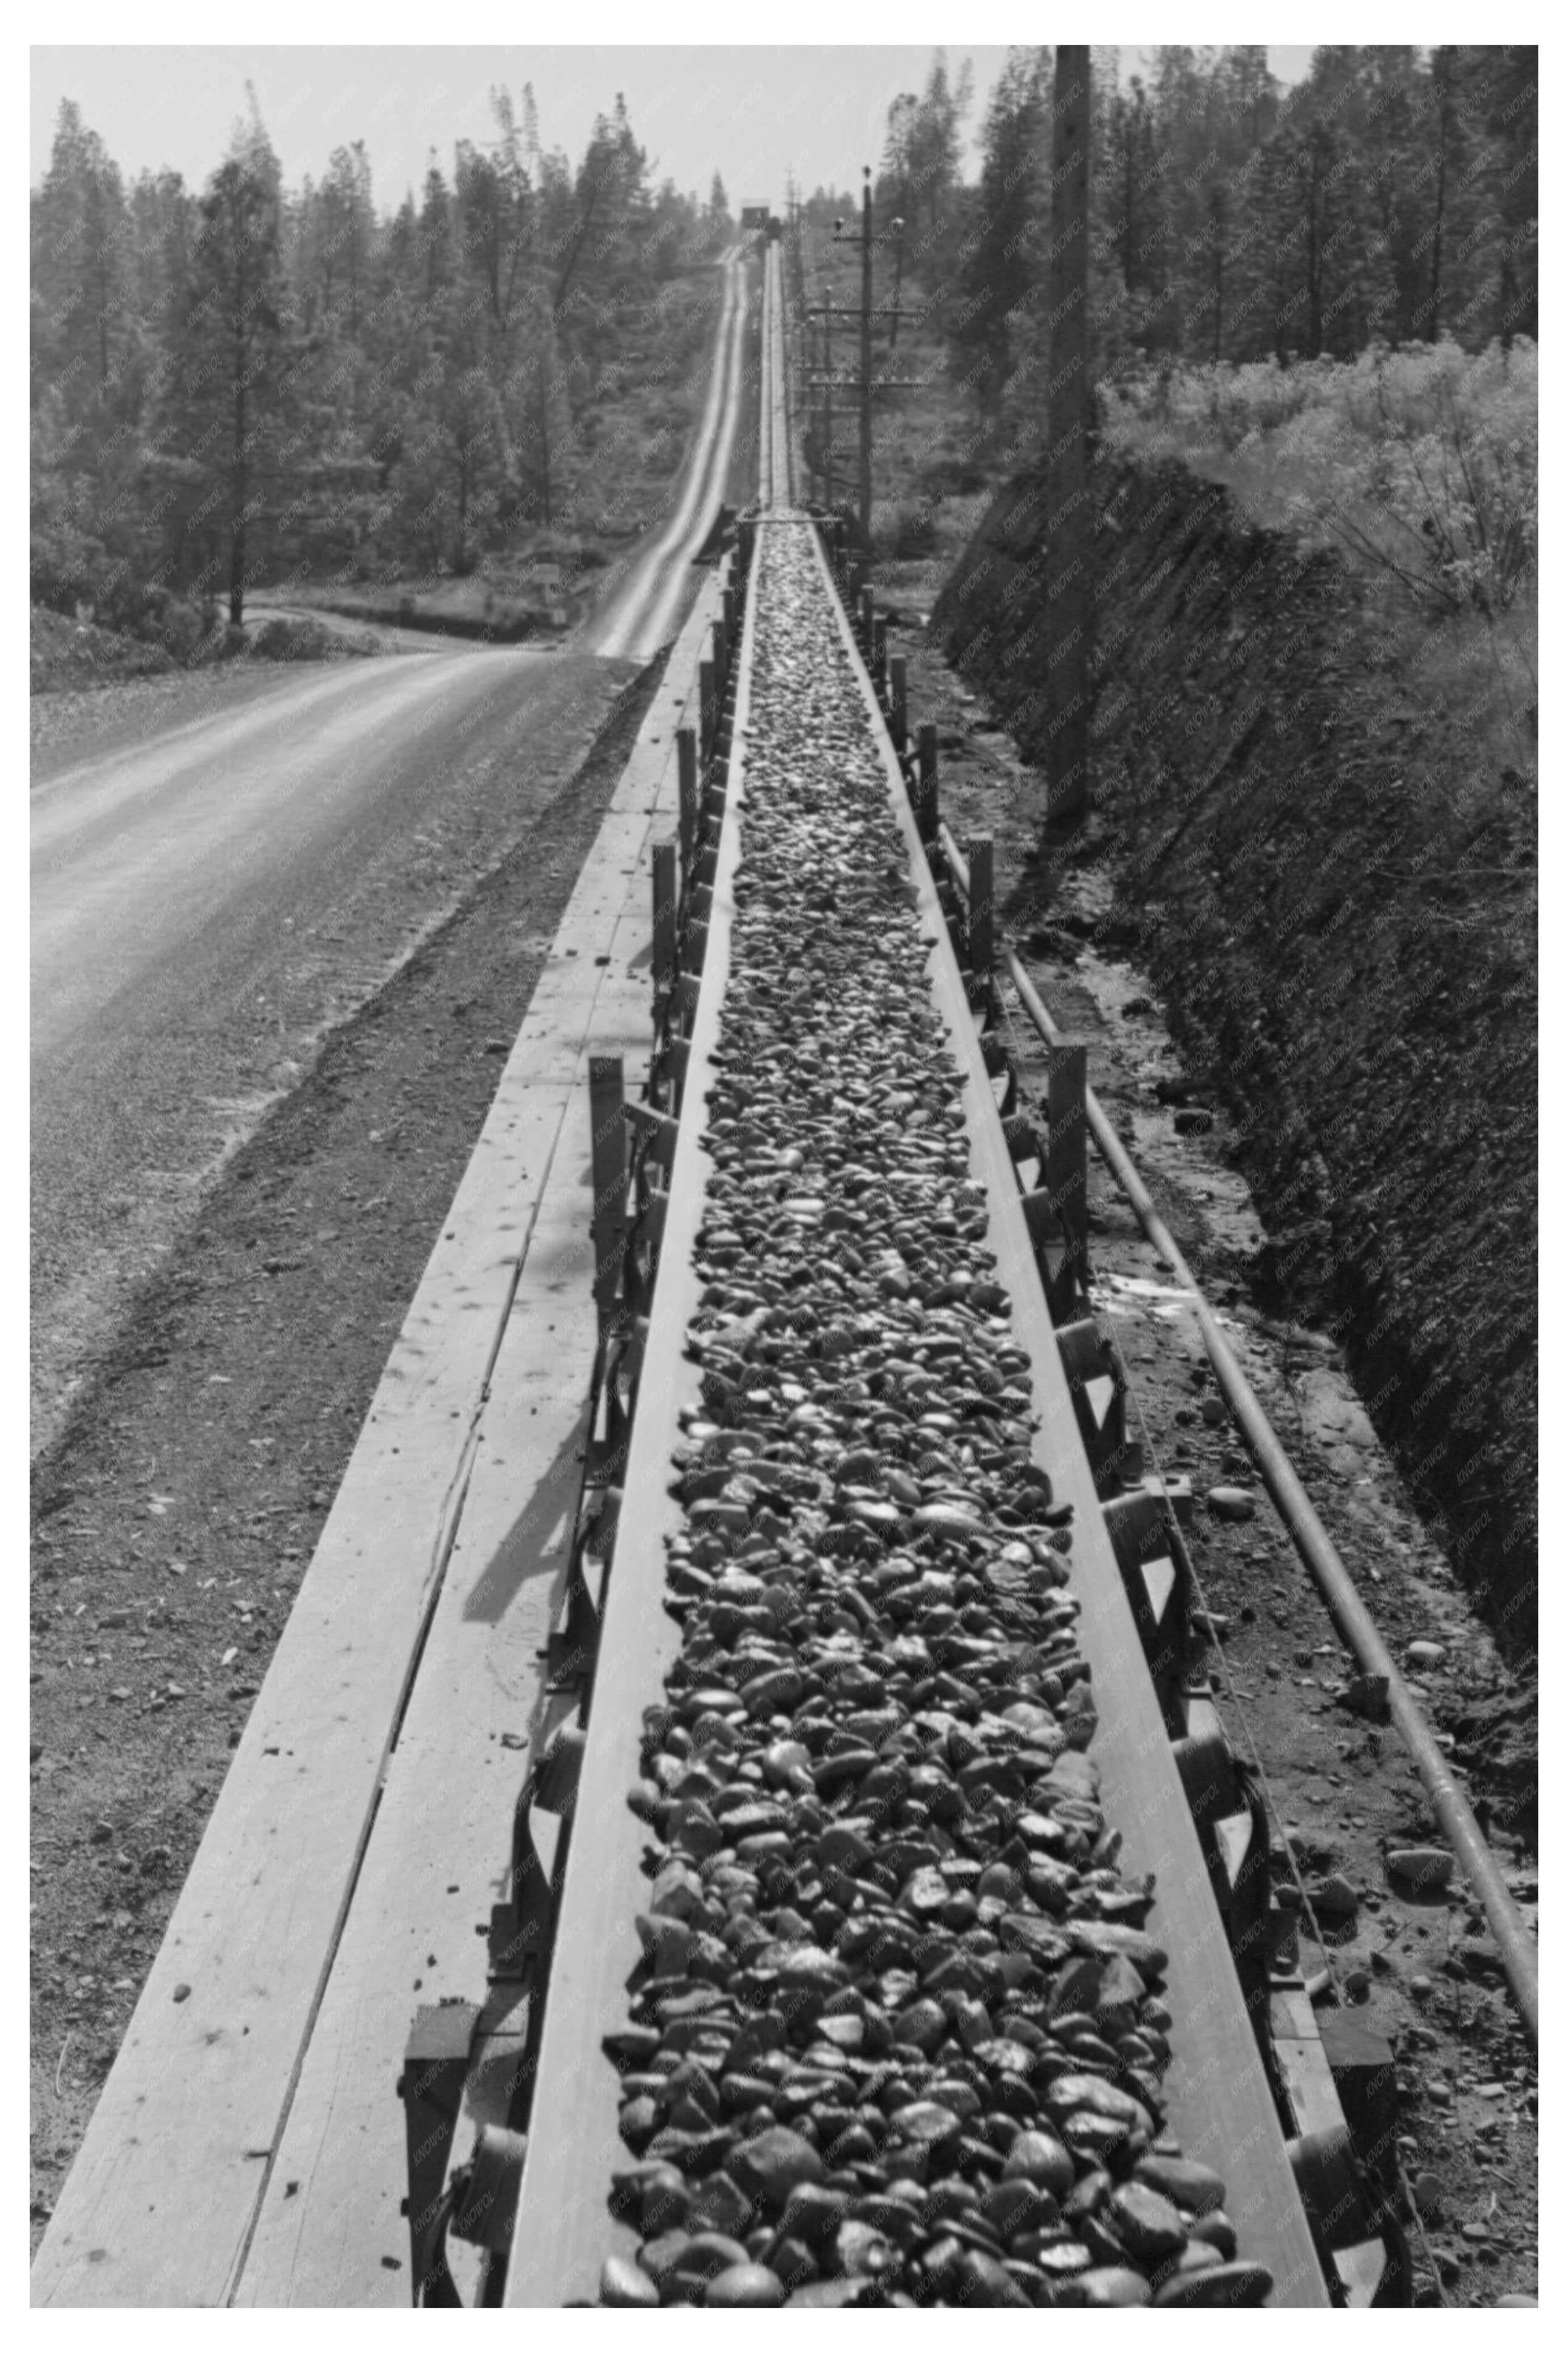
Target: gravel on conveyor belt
898,2035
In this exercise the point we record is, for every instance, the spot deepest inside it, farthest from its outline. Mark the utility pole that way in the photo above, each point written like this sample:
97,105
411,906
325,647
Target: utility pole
866,357
897,279
827,396
1067,482
842,237
827,312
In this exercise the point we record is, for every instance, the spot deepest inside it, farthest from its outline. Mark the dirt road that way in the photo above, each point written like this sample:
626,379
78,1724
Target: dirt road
205,906
644,610
212,892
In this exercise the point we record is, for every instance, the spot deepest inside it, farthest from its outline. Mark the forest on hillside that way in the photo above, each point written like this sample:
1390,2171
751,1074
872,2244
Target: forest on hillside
1390,196
251,384
1326,290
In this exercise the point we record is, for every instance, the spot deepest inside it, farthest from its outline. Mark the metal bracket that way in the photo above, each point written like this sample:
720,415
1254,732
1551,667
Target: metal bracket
1099,1390
1157,1578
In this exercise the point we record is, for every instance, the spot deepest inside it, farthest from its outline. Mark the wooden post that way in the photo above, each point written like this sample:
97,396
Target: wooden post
981,947
686,762
1066,1158
608,1134
868,622
663,915
747,537
729,624
709,701
898,716
926,797
720,659
435,2064
880,655
1066,493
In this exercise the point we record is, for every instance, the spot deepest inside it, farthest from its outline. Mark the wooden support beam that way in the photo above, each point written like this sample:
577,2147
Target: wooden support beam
707,707
686,762
674,1063
925,794
664,898
430,2087
898,713
1066,1156
982,953
606,1129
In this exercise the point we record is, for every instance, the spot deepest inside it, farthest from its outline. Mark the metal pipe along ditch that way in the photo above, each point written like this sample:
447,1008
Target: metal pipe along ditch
1319,1554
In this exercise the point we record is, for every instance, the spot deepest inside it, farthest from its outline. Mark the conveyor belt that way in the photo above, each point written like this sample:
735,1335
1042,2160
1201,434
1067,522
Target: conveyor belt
1217,2100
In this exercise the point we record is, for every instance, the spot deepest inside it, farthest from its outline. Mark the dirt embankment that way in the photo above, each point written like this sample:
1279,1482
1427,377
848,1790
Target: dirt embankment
1334,885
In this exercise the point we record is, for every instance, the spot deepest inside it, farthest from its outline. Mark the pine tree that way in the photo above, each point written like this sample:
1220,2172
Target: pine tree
495,204
230,390
1511,121
539,414
344,230
934,144
80,253
1002,259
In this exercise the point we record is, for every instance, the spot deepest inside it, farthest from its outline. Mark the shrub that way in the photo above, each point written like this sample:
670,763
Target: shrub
71,575
1430,461
1421,461
910,531
941,476
281,641
66,567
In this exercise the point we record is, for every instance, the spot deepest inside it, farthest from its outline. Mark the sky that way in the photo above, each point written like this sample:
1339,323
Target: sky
751,114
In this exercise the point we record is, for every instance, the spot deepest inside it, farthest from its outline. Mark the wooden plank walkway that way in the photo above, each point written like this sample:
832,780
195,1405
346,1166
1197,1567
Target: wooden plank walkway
560,2228
331,2230
248,2146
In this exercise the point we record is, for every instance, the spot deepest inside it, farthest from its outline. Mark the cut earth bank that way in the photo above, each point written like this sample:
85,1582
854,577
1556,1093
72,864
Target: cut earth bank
1333,885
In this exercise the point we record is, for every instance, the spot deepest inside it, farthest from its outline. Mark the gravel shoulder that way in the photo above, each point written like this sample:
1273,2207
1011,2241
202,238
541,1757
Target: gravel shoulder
175,1512
89,722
